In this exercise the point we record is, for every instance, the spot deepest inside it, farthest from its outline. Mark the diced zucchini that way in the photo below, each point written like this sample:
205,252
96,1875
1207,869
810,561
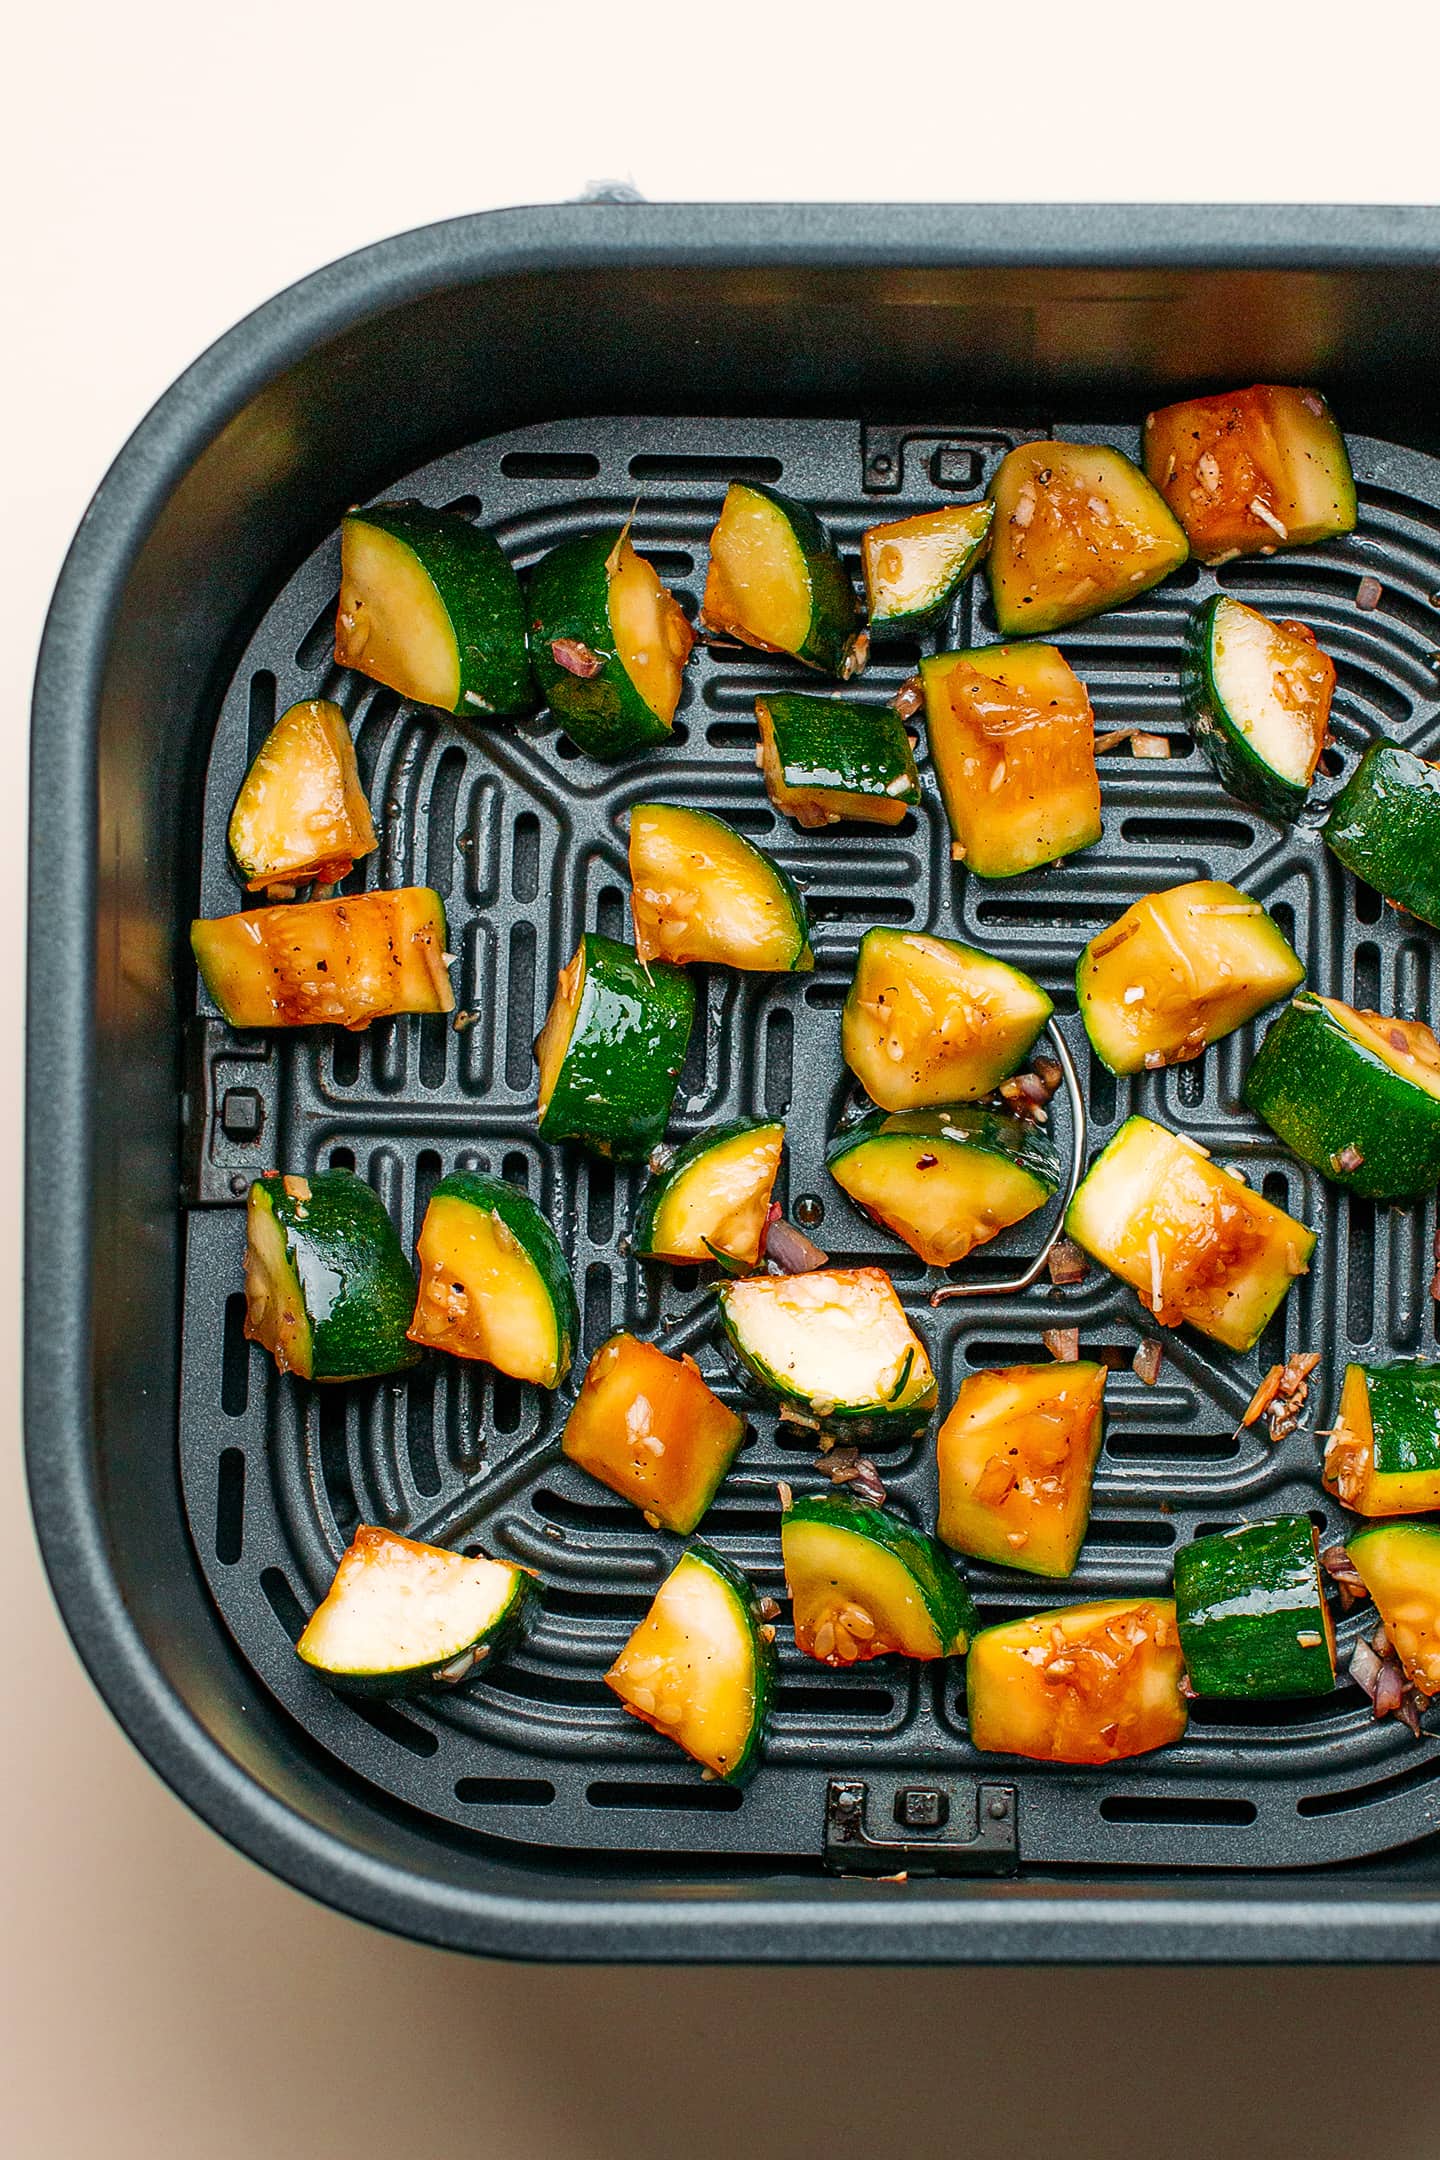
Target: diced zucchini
945,1180
1257,694
611,1049
430,606
1251,1611
1178,970
915,566
1355,1094
1399,1564
301,817
1382,1455
328,1287
1012,738
1081,1684
1384,826
928,1021
1017,1459
824,759
700,1668
1077,529
1252,470
701,891
834,1349
647,1426
494,1284
776,580
343,961
400,1615
1195,1243
609,643
862,1584
713,1201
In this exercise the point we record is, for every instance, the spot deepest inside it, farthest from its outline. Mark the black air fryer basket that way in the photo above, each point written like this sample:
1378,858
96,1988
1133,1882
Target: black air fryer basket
542,370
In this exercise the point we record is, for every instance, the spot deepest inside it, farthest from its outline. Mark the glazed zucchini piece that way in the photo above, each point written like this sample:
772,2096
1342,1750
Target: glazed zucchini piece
1257,693
328,1287
929,1021
1017,1459
914,566
647,1426
401,1615
1251,1611
776,581
494,1283
1077,529
713,1201
611,1049
1012,738
700,1668
1251,470
701,891
824,759
1399,1564
1355,1094
1384,826
947,1180
343,961
833,1349
1382,1455
862,1584
609,644
1177,971
301,817
1192,1241
1081,1684
430,606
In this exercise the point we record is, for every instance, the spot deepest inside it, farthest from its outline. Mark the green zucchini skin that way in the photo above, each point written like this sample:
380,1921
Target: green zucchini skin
834,618
1322,1091
1238,766
1244,1599
569,597
1384,826
349,1271
480,593
1404,1400
742,1592
658,1187
618,1078
942,1589
530,1230
829,747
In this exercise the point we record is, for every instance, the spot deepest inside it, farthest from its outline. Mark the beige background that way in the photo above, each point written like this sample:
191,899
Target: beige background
167,168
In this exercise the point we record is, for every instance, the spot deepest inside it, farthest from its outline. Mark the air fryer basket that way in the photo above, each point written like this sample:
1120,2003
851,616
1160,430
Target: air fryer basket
893,356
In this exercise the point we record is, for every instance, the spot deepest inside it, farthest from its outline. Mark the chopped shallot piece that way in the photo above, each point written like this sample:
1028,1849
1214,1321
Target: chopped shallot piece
790,1250
1346,1158
1342,1571
1369,593
1147,1360
1063,1343
909,698
575,657
847,1466
1066,1262
1150,746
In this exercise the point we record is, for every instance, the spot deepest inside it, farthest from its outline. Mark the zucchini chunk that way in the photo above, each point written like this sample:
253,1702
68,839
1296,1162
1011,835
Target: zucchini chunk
647,1426
1017,1460
1355,1094
824,759
1252,470
611,1049
609,644
1382,1456
1080,1684
1195,1243
1257,693
713,1201
1078,529
400,1615
1251,1611
430,606
928,1021
776,581
328,1287
945,1181
343,961
1384,826
834,1350
301,817
1399,1564
700,1668
1177,971
494,1284
914,566
701,891
863,1584
1013,740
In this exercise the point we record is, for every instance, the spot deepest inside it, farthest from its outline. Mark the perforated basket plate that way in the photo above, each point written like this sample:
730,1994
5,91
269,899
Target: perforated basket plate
526,841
